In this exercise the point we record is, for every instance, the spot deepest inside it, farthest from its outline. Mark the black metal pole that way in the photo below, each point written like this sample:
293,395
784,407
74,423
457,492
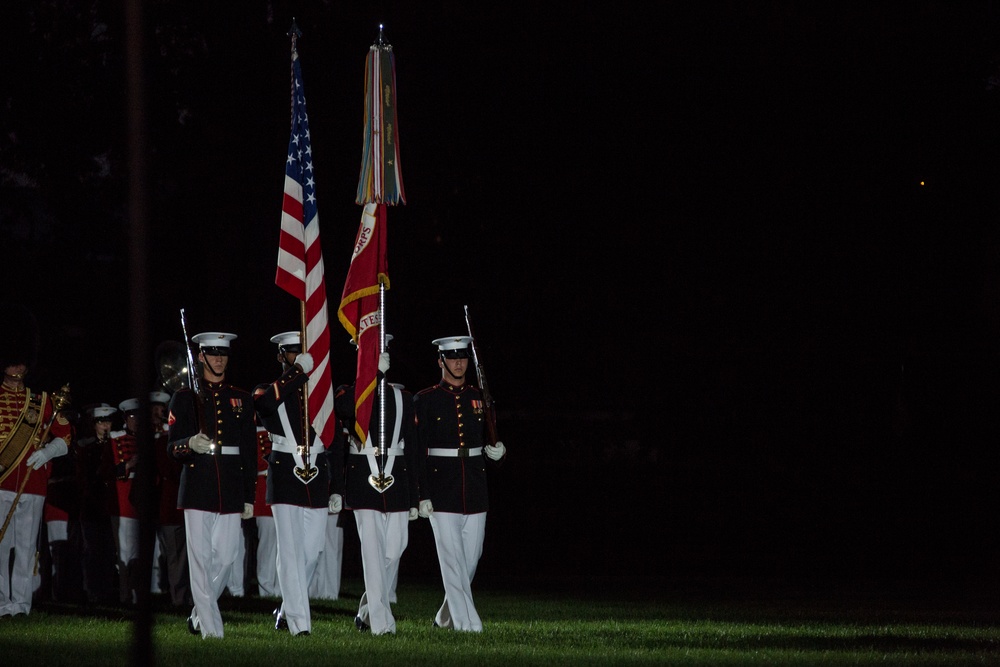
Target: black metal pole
140,352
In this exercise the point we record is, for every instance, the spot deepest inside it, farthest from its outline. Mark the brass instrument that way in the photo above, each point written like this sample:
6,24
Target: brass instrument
171,366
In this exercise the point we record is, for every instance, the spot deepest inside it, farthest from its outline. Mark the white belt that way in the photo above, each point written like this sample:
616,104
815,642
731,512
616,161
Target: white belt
280,443
459,453
262,473
375,451
229,450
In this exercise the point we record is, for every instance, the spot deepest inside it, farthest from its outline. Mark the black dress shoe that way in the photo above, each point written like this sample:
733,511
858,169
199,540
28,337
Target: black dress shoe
361,625
193,630
280,623
304,633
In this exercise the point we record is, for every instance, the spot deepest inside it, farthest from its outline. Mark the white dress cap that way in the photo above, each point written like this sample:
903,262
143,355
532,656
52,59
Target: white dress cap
213,339
456,347
287,338
103,412
453,343
159,397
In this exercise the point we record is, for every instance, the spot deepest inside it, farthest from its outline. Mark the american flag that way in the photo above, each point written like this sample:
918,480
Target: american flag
300,258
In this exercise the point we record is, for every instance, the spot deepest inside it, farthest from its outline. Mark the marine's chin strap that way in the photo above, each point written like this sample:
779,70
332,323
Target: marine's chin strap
208,370
283,352
448,371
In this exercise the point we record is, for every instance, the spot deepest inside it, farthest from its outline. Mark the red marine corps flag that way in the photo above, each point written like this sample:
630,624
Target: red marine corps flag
362,307
300,257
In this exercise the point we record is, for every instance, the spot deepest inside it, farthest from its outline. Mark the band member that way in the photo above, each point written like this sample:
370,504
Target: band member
33,431
451,432
61,518
298,482
170,540
267,536
212,433
382,493
122,455
96,537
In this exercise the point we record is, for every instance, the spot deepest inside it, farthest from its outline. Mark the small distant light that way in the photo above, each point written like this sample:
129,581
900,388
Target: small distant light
922,183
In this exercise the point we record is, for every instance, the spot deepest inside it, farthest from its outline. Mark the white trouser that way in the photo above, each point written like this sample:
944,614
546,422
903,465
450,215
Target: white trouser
325,584
459,542
238,573
267,558
301,535
126,530
56,531
383,537
212,543
21,536
154,579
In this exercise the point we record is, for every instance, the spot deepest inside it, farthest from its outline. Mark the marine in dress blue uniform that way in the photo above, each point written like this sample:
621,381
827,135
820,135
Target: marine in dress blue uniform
453,454
381,490
299,504
214,437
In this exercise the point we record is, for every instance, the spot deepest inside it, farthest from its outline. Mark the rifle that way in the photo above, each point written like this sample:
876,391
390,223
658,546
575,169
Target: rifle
491,417
193,380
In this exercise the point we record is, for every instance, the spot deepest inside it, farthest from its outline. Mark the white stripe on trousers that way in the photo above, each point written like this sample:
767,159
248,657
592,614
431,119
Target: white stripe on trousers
383,537
212,545
459,542
301,535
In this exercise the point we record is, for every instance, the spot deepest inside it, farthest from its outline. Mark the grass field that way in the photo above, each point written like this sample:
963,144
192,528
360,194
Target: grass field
598,622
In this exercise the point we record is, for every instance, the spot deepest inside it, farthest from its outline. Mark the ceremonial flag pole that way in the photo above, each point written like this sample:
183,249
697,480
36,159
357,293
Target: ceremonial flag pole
362,305
300,265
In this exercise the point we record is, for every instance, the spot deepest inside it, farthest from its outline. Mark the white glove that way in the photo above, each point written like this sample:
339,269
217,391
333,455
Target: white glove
200,444
383,362
336,503
496,452
414,513
40,457
305,361
426,508
247,511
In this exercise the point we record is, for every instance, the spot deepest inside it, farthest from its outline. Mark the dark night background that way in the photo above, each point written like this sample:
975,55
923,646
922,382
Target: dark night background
733,269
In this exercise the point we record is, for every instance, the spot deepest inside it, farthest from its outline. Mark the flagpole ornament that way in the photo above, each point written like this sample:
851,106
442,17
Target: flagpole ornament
381,181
